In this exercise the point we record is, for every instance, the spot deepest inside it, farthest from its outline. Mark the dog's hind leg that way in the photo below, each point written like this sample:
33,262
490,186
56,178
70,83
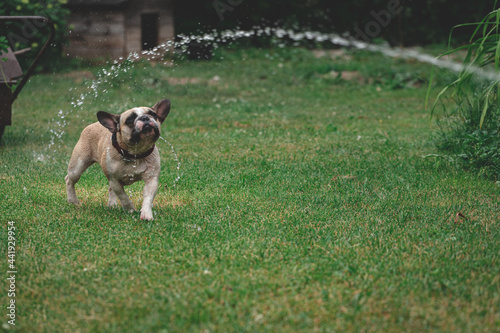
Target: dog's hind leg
77,165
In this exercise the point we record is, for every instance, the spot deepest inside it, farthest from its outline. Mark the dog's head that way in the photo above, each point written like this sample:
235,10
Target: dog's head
138,127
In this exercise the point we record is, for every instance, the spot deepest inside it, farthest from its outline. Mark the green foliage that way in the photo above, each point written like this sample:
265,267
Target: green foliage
473,125
29,34
477,151
405,28
4,44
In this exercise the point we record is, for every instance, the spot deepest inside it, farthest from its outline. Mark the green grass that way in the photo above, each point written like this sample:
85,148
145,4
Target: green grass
304,203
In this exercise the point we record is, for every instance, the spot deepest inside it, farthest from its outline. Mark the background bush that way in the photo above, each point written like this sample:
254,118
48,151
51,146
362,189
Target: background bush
420,22
22,35
470,128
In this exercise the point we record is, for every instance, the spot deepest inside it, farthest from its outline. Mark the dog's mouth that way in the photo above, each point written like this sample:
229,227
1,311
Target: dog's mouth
149,129
146,130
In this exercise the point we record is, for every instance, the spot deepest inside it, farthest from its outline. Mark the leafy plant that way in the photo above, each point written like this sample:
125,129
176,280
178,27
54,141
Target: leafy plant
477,150
29,34
3,43
475,93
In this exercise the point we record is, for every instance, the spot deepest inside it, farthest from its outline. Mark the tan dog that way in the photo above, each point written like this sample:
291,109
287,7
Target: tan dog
124,146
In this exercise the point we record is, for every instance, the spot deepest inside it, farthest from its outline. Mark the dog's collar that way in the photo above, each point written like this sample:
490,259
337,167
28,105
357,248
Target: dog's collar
127,155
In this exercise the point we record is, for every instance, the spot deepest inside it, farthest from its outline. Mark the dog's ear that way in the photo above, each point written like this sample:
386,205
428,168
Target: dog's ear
162,108
109,120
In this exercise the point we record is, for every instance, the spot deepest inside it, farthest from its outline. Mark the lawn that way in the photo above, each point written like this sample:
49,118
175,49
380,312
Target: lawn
305,194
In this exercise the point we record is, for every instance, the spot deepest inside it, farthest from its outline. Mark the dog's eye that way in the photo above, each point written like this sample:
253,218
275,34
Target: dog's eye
153,114
130,120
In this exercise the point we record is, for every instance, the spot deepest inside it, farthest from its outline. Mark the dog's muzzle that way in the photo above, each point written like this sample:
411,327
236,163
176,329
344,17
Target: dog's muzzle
144,126
147,127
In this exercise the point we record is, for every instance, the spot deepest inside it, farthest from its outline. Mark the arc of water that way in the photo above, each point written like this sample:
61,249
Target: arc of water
336,39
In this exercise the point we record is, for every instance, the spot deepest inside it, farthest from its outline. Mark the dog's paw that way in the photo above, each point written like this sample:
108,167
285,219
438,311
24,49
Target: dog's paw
146,215
114,204
129,208
74,201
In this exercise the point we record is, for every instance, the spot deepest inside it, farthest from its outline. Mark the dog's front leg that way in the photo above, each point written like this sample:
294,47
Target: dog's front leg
118,189
113,199
149,193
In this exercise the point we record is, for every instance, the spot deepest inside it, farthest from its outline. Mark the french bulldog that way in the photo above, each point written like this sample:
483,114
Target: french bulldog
124,146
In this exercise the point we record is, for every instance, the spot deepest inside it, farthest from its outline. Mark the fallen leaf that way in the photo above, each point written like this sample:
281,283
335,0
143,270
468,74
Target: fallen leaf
458,216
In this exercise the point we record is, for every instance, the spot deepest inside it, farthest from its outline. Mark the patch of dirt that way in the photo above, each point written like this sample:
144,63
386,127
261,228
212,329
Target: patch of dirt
349,76
183,80
332,54
193,80
240,125
78,76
